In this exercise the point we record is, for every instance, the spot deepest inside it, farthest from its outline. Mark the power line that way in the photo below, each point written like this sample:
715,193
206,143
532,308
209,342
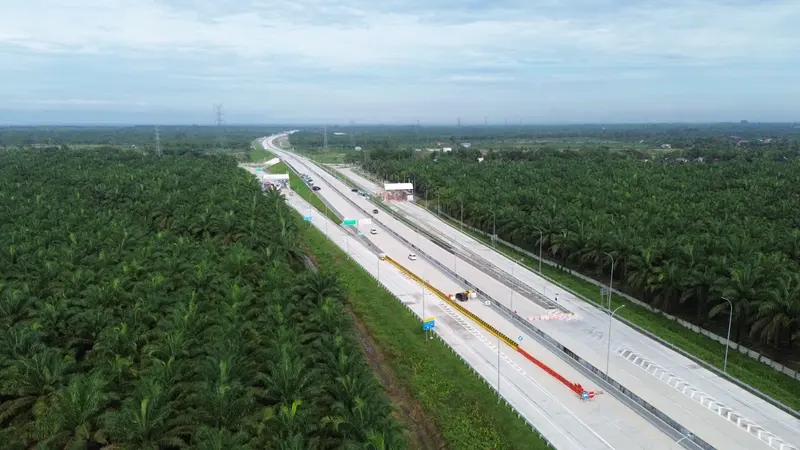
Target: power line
219,121
158,143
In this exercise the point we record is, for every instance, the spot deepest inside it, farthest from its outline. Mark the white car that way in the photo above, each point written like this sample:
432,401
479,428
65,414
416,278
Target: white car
373,231
412,256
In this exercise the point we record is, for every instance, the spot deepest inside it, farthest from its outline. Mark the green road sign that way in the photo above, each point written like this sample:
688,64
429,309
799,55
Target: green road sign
349,222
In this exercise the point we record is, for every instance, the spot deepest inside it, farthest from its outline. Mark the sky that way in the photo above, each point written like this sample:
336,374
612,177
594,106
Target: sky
391,61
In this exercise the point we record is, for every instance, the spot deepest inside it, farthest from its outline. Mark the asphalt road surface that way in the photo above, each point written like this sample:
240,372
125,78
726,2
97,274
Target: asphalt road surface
568,422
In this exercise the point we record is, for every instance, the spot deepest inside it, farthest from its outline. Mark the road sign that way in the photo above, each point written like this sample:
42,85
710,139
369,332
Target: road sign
427,324
584,395
519,338
349,222
259,169
307,218
604,291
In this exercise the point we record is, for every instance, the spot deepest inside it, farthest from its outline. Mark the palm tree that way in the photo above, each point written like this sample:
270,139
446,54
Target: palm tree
148,420
319,285
742,289
70,418
31,380
778,313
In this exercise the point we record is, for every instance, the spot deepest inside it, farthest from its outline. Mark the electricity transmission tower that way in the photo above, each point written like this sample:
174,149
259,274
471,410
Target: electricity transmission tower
352,134
219,120
158,143
325,141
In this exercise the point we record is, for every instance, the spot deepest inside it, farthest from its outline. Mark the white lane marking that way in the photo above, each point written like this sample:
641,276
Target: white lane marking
594,312
704,399
483,339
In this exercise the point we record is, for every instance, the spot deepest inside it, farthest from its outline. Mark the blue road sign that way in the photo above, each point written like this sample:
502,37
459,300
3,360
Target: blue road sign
428,324
519,338
584,395
307,218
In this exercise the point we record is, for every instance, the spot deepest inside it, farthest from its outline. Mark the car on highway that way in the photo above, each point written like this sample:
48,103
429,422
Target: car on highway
412,256
354,190
375,211
315,188
373,231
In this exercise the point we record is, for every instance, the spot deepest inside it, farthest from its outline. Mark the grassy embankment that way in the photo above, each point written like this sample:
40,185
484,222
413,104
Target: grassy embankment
422,374
463,407
758,375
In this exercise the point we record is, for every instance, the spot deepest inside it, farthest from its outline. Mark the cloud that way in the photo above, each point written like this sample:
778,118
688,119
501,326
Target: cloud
179,53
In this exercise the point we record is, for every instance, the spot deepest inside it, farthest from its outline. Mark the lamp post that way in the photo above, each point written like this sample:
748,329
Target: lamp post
462,214
610,279
541,238
513,281
423,306
494,229
498,369
608,348
728,339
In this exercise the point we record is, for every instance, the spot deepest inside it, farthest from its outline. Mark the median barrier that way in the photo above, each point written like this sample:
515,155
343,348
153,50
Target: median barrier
743,350
492,330
670,426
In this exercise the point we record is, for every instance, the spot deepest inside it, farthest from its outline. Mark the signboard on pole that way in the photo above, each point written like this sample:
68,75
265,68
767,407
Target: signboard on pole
427,324
349,222
307,218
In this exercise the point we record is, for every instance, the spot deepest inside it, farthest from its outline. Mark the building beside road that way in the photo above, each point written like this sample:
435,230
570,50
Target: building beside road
403,192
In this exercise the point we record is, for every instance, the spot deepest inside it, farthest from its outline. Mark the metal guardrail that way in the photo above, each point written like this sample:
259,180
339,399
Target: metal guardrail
708,366
531,425
763,396
653,415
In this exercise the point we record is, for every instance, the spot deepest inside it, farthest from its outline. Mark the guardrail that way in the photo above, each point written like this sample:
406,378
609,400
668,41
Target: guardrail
492,330
778,404
655,416
575,387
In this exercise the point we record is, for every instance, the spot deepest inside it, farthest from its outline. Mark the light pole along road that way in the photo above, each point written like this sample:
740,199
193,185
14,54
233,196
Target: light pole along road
613,425
585,337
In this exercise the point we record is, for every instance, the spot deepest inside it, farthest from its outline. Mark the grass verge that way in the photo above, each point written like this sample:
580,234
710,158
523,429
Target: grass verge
777,385
259,155
461,404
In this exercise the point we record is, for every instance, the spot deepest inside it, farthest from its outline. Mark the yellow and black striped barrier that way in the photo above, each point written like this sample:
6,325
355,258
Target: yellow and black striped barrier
494,331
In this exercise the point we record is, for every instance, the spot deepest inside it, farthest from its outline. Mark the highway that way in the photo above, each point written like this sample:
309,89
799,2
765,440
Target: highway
564,419
714,409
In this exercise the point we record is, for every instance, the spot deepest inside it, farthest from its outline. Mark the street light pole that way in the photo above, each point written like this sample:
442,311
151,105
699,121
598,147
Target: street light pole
728,339
494,229
423,307
498,369
513,281
608,348
610,279
541,238
462,214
